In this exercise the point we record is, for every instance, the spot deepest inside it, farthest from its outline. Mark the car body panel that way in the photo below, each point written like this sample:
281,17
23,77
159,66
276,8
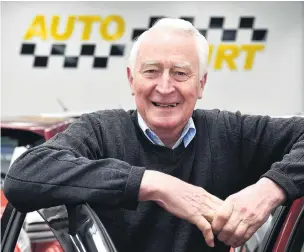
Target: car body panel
288,226
42,125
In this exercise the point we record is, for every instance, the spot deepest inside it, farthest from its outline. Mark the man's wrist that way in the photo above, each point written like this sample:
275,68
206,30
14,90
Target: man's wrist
150,186
277,195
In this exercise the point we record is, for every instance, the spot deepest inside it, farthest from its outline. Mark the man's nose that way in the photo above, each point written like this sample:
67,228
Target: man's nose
165,84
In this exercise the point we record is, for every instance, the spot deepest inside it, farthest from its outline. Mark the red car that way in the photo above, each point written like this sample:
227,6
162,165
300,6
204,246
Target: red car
77,228
17,134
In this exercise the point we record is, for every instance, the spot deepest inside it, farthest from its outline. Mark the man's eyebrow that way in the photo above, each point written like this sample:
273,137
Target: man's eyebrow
149,62
181,64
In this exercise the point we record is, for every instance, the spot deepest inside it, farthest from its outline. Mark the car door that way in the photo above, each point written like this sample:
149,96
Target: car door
82,231
282,232
61,228
286,232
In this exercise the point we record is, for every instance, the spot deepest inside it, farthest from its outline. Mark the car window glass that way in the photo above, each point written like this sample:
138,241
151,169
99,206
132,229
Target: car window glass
8,145
39,232
77,228
23,242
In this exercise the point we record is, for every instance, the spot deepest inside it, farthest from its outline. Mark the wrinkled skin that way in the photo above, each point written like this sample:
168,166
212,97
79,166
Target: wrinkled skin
166,72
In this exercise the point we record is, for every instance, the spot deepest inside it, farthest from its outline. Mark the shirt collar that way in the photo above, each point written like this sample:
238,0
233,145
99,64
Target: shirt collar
186,137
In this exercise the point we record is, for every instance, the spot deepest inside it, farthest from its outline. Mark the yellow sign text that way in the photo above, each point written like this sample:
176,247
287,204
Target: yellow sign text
228,54
39,28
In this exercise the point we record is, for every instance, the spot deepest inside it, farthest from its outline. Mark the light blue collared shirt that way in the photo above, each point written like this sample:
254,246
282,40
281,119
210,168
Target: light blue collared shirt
187,134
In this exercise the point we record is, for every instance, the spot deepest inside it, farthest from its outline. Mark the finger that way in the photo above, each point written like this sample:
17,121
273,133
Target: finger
206,229
247,235
221,217
228,230
238,236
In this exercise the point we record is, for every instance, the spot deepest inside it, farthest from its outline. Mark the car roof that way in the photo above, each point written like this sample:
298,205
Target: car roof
35,123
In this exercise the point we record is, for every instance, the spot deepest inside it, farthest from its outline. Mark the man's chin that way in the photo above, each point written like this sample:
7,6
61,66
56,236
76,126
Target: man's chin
165,123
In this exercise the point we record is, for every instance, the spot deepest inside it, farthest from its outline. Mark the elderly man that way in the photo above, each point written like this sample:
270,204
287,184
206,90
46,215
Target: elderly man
166,177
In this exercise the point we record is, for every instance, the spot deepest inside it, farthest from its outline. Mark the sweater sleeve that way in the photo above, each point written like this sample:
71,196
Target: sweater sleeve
72,168
273,148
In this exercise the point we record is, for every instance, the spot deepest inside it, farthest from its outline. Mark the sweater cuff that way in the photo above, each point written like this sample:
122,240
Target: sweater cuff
285,183
132,187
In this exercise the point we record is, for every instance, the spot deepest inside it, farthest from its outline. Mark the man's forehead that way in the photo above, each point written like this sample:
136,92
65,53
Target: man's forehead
176,63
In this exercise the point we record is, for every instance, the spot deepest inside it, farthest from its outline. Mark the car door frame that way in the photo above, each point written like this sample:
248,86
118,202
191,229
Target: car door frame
284,225
11,224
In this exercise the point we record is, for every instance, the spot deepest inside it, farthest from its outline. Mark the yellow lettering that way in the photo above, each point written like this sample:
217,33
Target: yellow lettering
250,50
87,28
37,29
120,27
68,29
223,56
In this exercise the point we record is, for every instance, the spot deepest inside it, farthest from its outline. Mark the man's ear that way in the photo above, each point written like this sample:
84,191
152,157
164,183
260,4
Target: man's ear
130,78
202,85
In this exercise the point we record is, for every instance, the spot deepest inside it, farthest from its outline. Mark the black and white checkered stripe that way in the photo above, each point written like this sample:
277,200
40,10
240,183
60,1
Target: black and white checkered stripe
58,50
228,35
88,50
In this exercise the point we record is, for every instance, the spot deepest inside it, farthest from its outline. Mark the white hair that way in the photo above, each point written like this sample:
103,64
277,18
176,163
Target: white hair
176,25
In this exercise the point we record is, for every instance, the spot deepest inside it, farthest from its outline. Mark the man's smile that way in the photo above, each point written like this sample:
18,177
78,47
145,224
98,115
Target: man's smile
165,105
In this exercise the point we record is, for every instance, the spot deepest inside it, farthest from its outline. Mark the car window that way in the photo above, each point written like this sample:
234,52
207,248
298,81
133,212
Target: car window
10,140
62,228
33,235
41,236
78,226
8,144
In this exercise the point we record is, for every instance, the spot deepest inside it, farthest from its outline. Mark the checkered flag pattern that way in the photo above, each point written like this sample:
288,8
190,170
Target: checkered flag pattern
59,50
218,23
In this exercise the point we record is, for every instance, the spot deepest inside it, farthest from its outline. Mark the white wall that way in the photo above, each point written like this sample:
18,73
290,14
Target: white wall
274,85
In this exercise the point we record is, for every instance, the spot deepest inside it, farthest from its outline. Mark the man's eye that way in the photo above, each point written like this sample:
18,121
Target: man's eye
180,74
151,71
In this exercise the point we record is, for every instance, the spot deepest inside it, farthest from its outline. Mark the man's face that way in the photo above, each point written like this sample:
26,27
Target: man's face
166,80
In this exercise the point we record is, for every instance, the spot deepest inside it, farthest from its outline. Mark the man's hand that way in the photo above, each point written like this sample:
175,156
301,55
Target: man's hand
251,208
184,200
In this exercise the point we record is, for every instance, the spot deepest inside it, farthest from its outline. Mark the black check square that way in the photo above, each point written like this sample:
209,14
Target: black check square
88,50
153,20
203,32
100,62
189,19
27,49
216,22
229,35
70,62
117,50
137,32
58,49
259,35
41,61
246,22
